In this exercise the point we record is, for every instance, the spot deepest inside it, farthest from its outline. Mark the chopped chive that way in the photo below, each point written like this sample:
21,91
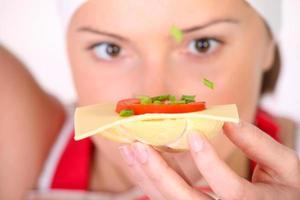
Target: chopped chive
190,101
126,113
178,102
160,98
157,102
176,33
146,100
154,99
172,98
188,98
208,83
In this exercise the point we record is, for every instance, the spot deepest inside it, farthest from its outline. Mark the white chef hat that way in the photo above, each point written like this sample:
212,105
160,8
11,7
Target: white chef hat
268,9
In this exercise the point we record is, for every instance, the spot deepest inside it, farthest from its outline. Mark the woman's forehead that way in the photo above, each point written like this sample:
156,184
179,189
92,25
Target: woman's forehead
140,14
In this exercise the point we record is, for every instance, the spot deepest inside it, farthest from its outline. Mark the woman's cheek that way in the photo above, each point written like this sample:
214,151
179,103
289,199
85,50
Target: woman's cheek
237,77
242,87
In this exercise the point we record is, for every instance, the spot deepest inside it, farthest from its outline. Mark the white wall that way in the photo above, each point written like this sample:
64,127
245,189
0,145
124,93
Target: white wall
31,29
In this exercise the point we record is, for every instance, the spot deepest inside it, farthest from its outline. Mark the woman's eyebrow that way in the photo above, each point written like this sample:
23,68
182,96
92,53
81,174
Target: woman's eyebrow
99,32
186,30
214,22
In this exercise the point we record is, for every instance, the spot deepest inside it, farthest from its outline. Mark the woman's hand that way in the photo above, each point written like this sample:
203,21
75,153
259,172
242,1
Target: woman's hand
276,176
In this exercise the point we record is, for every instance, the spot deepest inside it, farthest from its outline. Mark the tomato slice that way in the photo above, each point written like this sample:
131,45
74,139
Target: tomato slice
126,104
139,109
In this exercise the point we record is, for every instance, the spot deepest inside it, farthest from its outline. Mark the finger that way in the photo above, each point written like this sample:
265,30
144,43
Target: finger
262,148
223,181
261,175
166,180
274,192
138,174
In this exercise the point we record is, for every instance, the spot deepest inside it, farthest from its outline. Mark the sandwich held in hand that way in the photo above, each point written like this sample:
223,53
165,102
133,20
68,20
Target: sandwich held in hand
161,121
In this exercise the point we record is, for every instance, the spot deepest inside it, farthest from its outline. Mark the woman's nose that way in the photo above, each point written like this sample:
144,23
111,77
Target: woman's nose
154,78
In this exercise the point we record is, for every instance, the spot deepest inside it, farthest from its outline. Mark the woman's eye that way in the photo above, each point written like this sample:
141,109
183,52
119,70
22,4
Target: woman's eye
203,46
106,51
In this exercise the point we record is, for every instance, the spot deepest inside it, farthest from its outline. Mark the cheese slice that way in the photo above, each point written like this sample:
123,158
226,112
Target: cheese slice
169,130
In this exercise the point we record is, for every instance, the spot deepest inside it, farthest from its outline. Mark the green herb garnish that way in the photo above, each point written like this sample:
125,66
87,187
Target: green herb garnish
178,102
177,34
208,83
172,98
188,98
157,102
160,98
126,113
169,99
145,100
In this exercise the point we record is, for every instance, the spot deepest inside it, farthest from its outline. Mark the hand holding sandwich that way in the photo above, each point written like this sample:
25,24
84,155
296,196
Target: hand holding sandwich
276,176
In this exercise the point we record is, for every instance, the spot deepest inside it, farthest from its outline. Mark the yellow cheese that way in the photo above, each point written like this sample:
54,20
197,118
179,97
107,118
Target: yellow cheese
207,127
168,130
146,131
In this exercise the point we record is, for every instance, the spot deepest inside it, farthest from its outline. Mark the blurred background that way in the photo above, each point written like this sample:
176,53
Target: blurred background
32,30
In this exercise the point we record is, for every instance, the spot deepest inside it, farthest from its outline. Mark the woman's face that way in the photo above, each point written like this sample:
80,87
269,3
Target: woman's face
123,48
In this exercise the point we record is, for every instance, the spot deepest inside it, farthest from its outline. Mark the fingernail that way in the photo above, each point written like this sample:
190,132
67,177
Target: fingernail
196,142
127,154
141,153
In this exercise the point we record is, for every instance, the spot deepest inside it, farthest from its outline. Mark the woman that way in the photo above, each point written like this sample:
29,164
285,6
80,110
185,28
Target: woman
120,48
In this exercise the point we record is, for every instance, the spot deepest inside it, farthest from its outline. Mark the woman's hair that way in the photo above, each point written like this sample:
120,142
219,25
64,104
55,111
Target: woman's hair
270,77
